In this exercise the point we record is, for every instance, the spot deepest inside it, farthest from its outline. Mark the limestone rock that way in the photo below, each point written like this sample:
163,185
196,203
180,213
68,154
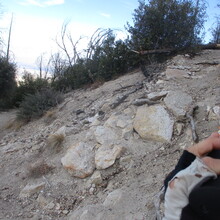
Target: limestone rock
96,178
113,198
31,189
214,113
176,73
179,128
178,102
105,135
154,96
106,155
122,124
153,123
61,130
94,212
43,201
118,121
127,132
79,160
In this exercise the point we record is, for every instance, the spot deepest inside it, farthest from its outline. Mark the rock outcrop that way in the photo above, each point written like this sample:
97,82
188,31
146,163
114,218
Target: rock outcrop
79,160
119,142
154,123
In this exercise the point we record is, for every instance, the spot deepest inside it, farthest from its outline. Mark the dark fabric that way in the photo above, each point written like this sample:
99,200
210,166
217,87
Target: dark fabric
204,201
189,214
185,160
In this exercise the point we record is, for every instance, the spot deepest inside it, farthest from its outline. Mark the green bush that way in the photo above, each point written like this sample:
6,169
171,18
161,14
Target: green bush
162,24
7,83
109,59
35,105
29,85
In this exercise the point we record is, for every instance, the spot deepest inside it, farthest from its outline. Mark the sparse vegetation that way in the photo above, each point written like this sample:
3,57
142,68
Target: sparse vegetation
162,24
7,83
157,24
105,59
29,85
49,116
39,169
55,141
34,106
15,124
216,30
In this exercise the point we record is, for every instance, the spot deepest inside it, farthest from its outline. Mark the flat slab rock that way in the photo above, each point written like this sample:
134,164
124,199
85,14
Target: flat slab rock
154,123
178,102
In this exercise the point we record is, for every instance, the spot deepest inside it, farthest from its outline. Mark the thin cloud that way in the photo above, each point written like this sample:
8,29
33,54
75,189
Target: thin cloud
41,3
54,2
105,15
128,5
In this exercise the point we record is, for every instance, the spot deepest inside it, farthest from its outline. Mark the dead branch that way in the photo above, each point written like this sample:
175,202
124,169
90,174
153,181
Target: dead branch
62,45
156,51
139,102
96,40
210,46
190,115
208,63
168,50
57,65
121,98
74,47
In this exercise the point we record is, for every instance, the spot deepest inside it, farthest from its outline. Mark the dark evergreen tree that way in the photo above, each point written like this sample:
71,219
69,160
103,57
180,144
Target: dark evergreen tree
166,24
7,82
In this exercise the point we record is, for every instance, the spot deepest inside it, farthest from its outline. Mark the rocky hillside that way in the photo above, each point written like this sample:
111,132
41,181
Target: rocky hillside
104,152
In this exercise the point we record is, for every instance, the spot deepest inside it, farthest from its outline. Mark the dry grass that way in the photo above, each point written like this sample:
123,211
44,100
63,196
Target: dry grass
94,85
39,169
55,141
15,124
50,116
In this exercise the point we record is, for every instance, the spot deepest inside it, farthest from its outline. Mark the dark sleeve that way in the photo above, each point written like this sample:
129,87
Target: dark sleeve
185,160
205,200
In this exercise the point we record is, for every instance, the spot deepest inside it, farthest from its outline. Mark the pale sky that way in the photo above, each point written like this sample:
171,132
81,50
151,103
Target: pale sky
36,23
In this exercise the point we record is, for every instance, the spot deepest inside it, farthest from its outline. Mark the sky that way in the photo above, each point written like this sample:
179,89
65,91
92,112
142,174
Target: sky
37,23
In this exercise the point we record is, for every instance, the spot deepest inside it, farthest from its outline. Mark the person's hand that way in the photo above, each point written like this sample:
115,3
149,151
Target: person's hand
206,146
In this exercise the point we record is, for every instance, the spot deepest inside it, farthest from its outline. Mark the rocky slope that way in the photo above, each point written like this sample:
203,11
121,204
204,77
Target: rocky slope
120,141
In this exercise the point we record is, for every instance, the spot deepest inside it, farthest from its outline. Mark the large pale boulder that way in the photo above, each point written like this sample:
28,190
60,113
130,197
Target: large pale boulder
79,160
178,102
106,155
118,121
105,135
154,123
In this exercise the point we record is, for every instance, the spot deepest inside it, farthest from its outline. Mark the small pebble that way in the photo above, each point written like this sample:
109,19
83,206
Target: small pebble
65,212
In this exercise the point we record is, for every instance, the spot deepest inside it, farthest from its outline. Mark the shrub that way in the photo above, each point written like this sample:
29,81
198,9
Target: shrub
50,116
55,141
39,169
14,124
29,85
7,83
167,24
109,58
34,106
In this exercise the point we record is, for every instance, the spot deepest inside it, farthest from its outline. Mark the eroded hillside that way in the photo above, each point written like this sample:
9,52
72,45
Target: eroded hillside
120,141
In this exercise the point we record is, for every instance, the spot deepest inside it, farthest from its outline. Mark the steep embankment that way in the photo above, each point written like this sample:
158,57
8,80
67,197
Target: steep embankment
112,134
